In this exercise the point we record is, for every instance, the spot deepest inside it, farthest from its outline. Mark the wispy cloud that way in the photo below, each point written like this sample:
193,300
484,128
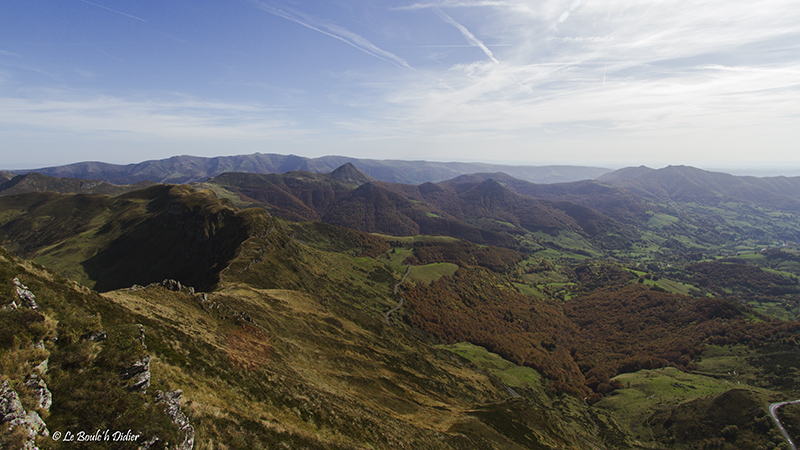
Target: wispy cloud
114,10
681,75
467,34
334,31
170,118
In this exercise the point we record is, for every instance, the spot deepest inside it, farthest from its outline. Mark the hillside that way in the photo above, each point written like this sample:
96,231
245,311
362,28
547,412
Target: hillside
480,210
35,182
610,200
188,169
331,310
260,367
688,184
114,242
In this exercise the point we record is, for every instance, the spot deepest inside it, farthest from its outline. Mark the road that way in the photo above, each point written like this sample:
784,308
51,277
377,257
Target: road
396,287
773,411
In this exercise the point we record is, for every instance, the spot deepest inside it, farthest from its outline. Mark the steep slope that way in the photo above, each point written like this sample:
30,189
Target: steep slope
479,210
137,238
66,360
259,368
187,169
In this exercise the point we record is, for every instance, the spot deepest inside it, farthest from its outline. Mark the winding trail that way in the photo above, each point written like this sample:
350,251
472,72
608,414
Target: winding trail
773,411
396,287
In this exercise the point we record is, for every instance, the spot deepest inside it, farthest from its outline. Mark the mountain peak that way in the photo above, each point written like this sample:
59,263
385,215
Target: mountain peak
348,173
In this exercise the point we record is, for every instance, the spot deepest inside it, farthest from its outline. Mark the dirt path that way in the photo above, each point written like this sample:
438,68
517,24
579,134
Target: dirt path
396,287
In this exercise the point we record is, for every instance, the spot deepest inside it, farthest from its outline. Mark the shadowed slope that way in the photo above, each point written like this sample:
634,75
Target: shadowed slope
138,238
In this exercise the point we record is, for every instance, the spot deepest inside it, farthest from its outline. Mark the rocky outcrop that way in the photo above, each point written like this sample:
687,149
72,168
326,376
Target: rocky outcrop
173,410
39,387
13,413
175,285
96,336
26,297
11,409
139,371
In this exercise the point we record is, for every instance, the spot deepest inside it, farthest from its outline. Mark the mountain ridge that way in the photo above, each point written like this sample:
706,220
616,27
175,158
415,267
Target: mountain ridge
690,184
186,169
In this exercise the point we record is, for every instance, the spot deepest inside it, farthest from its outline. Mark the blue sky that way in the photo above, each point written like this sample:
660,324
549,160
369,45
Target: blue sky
585,82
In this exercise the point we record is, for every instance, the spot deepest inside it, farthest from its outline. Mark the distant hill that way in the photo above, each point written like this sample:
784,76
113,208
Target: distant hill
188,169
476,209
613,201
689,184
34,182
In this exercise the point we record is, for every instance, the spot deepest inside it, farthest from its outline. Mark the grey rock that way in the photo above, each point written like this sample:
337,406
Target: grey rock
148,444
139,373
11,409
173,411
26,297
13,413
10,307
96,336
172,285
42,367
38,385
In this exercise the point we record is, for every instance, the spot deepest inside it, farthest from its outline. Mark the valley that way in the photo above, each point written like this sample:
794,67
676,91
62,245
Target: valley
645,309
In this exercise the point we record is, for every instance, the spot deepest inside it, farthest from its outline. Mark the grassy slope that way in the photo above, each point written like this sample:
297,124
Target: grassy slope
353,290
267,367
111,242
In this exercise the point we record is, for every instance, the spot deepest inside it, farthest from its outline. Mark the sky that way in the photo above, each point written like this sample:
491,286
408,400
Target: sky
536,82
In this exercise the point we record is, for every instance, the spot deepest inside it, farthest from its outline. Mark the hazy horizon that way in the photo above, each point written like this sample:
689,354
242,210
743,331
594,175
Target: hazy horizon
757,170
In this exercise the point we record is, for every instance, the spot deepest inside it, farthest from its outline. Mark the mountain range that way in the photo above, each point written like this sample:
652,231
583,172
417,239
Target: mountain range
187,169
642,309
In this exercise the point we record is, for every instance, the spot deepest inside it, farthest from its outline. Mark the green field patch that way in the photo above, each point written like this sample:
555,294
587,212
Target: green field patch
418,238
728,362
661,220
431,272
560,254
510,374
675,287
775,310
530,290
396,256
545,277
648,390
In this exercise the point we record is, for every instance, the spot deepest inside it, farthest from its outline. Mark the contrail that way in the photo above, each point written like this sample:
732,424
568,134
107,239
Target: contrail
113,10
449,4
336,32
470,37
